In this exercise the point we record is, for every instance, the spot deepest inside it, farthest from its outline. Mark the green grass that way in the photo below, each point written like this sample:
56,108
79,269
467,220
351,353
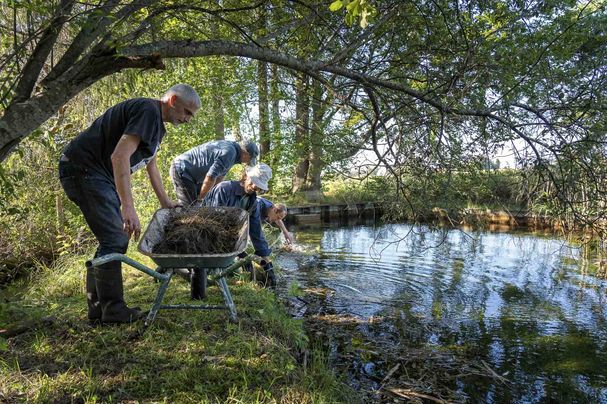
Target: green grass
185,356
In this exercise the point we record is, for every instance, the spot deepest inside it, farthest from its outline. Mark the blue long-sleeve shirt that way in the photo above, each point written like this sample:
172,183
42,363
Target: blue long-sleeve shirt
263,207
232,194
212,158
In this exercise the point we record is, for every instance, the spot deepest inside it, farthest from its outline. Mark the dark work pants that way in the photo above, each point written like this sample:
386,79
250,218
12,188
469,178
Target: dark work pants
187,190
96,196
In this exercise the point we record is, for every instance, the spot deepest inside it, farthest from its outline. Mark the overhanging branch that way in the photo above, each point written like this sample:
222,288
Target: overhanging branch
32,69
189,49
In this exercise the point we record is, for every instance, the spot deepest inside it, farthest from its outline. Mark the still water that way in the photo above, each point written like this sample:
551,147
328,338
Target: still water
529,307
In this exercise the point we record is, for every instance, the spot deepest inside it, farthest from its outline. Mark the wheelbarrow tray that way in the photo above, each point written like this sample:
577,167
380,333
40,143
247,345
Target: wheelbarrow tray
154,233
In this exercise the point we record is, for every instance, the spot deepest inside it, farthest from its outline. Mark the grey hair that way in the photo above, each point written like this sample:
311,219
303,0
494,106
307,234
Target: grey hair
280,207
185,92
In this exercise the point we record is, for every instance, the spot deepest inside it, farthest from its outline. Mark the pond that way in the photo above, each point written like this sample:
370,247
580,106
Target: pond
453,314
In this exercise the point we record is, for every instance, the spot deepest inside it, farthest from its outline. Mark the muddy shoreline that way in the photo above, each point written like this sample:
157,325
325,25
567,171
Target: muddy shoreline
384,358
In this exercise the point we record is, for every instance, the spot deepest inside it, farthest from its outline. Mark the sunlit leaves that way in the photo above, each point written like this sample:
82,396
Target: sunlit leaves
336,5
355,9
354,119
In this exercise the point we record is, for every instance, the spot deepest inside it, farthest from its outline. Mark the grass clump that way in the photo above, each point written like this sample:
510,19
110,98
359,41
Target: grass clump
185,356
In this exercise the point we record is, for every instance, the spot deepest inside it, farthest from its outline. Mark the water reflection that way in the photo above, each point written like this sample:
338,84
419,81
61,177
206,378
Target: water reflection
524,304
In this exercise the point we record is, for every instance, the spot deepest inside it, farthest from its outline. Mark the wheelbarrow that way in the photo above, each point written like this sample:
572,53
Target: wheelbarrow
216,266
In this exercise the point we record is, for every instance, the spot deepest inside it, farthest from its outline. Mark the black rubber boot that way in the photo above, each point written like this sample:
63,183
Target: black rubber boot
111,295
270,276
198,284
94,307
248,267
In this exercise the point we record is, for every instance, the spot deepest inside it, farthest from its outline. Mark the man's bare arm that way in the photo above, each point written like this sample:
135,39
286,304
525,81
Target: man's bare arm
208,183
121,166
156,181
287,234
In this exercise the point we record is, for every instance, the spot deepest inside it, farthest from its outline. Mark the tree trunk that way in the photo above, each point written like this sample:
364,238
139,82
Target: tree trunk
236,130
316,142
262,91
264,114
22,118
302,121
218,114
217,91
275,113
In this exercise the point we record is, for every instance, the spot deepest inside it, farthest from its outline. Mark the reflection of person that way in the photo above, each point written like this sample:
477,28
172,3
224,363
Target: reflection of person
199,169
95,172
243,194
274,213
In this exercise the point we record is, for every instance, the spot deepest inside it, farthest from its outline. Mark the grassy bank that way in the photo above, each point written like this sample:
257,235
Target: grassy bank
186,356
419,195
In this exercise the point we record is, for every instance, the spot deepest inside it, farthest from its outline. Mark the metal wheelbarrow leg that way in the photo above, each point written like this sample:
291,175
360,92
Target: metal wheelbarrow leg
164,285
220,278
227,297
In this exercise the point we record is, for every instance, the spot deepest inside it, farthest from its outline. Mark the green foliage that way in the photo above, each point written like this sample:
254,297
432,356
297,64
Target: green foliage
36,213
355,9
373,189
295,289
459,190
8,183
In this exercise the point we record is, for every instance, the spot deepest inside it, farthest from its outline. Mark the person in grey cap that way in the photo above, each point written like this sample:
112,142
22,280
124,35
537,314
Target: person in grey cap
195,172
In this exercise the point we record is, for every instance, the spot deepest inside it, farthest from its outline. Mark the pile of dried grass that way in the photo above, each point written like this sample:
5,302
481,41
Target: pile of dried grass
199,231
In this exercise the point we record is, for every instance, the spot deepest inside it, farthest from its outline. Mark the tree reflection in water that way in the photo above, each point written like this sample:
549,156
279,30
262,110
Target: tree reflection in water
525,305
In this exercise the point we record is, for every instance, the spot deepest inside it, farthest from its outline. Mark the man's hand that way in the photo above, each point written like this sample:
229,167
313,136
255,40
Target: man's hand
171,204
131,224
288,237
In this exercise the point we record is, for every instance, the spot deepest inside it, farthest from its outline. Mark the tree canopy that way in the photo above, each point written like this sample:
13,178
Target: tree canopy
425,87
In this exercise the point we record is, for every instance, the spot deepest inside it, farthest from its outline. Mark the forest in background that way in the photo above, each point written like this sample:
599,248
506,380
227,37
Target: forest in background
401,102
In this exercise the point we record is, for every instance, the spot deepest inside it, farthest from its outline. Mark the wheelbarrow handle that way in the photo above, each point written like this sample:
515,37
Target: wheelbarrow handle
104,259
234,267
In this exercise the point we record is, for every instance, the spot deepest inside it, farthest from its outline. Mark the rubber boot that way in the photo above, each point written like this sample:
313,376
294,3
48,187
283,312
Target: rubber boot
270,276
94,307
198,284
248,267
111,295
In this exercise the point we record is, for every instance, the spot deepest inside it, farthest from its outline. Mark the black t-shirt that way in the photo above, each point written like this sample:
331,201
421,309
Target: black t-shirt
93,148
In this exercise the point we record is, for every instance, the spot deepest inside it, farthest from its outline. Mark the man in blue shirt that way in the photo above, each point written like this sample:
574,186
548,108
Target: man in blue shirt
95,171
243,194
274,213
198,170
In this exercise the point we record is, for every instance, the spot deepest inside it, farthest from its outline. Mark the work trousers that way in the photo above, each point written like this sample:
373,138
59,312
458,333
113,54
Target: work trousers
187,190
96,196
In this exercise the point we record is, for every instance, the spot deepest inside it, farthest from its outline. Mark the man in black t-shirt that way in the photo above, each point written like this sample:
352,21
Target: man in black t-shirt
95,171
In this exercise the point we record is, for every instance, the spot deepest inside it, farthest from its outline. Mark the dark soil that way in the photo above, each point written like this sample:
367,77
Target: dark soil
202,230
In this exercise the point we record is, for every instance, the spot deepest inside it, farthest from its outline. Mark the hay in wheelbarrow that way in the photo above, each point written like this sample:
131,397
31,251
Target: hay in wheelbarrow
201,230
